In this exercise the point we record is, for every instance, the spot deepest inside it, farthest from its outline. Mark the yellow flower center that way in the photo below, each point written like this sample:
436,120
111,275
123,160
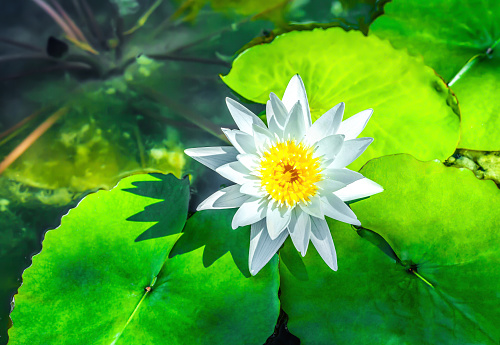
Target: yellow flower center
289,172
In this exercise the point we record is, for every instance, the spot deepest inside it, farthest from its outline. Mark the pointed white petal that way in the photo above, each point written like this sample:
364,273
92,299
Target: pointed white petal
329,147
295,91
235,172
329,186
335,208
242,141
213,157
359,189
250,161
262,138
300,229
253,210
323,242
272,122
350,151
326,125
253,188
229,197
313,208
277,219
353,126
295,127
243,117
262,248
343,175
279,110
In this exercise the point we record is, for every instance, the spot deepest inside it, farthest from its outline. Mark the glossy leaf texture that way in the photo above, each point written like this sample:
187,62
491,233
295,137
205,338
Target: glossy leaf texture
448,34
414,111
90,282
424,273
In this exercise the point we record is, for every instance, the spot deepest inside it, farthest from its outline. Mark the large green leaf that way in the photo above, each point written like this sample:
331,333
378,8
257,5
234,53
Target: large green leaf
414,110
448,33
89,283
437,285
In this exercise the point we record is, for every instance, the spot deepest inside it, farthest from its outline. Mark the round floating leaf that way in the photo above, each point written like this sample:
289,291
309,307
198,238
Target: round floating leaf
448,33
93,283
426,275
414,110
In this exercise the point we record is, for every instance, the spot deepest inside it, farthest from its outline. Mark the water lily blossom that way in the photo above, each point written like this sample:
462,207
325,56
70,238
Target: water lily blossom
290,174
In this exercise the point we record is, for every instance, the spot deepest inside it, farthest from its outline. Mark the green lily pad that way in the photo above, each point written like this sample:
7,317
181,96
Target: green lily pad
212,230
448,33
90,282
429,277
414,110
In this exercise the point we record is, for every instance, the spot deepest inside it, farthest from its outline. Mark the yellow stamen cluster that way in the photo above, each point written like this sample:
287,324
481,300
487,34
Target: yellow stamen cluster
289,172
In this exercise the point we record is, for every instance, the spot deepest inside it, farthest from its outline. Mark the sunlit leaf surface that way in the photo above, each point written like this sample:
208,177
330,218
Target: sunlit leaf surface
431,278
90,283
414,111
448,34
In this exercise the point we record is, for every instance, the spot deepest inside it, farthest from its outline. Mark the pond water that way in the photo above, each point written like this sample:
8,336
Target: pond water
116,99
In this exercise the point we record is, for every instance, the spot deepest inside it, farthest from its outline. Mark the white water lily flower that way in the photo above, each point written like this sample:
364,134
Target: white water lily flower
290,175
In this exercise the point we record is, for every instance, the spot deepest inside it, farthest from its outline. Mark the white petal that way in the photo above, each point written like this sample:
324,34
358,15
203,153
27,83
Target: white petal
326,125
295,91
329,186
242,141
353,126
313,208
350,151
250,212
213,157
300,229
262,248
277,219
295,127
250,161
253,188
272,122
343,175
335,208
280,112
243,117
262,138
329,147
235,172
323,242
229,197
359,189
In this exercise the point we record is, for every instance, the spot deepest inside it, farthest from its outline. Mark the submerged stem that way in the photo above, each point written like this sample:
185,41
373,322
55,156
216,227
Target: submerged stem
30,139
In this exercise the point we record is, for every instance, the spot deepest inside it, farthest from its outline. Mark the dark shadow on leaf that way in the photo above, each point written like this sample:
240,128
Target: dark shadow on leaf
356,200
212,229
291,258
170,213
378,241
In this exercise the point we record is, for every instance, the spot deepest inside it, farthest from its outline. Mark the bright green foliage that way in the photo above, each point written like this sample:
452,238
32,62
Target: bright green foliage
437,240
88,284
411,104
212,230
448,33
